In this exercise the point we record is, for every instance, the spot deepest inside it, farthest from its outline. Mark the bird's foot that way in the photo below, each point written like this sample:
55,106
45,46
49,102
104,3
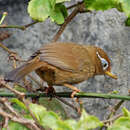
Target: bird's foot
14,56
80,105
50,91
74,92
77,100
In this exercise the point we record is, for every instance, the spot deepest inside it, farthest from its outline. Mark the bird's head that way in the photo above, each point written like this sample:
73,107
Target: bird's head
103,63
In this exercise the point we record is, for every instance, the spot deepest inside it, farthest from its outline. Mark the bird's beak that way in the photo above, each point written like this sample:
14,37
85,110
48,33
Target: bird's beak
110,74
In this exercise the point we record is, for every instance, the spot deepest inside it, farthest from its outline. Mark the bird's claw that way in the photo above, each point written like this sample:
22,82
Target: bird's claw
74,92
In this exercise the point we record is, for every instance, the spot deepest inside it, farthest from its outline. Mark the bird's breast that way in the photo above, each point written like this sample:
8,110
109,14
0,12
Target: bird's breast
56,76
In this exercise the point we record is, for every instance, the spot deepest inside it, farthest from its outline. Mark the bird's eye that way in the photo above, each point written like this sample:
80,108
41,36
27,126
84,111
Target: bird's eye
103,61
104,64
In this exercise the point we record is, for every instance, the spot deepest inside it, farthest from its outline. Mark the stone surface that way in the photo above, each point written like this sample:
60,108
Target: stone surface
105,29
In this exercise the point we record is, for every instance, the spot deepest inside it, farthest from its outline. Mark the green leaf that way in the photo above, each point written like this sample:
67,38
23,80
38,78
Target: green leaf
44,117
53,105
63,125
60,1
122,123
42,9
125,4
19,88
121,5
72,123
63,10
126,112
15,126
52,2
127,22
39,9
58,14
19,103
38,111
88,122
50,117
100,4
115,92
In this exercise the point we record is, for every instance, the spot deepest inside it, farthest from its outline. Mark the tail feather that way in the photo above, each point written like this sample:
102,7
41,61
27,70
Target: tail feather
20,72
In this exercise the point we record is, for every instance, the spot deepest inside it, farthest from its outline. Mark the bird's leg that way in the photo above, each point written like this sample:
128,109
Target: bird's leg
75,90
80,105
50,91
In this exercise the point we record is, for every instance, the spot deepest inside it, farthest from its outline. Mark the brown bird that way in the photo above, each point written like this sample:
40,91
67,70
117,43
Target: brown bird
64,64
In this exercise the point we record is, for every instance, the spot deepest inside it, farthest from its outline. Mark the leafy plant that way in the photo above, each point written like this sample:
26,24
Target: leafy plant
15,126
121,5
44,117
122,123
86,121
42,9
55,9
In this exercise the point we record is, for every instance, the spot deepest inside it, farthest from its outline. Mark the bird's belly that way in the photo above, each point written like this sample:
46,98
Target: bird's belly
68,77
56,76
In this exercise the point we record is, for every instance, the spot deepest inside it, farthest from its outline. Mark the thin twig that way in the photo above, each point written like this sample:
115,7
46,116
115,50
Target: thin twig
7,105
4,84
5,48
30,24
28,123
26,102
112,119
21,95
68,95
12,55
23,27
3,17
115,108
6,119
79,8
67,103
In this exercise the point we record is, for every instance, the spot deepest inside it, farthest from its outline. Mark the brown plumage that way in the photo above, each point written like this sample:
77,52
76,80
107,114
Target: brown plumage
64,64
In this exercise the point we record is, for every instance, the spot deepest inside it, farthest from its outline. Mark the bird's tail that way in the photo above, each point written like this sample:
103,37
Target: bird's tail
19,73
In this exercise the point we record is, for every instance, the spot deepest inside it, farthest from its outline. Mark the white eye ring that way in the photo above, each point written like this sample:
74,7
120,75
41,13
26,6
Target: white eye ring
103,61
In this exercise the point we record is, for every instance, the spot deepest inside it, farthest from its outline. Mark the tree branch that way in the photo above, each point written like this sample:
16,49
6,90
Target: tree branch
23,27
5,85
79,8
5,102
68,95
113,118
115,108
28,123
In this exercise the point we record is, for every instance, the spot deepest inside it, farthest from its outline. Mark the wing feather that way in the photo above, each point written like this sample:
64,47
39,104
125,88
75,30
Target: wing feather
65,56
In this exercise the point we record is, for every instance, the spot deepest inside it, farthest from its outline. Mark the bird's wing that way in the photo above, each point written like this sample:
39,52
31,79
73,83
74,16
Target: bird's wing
69,57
